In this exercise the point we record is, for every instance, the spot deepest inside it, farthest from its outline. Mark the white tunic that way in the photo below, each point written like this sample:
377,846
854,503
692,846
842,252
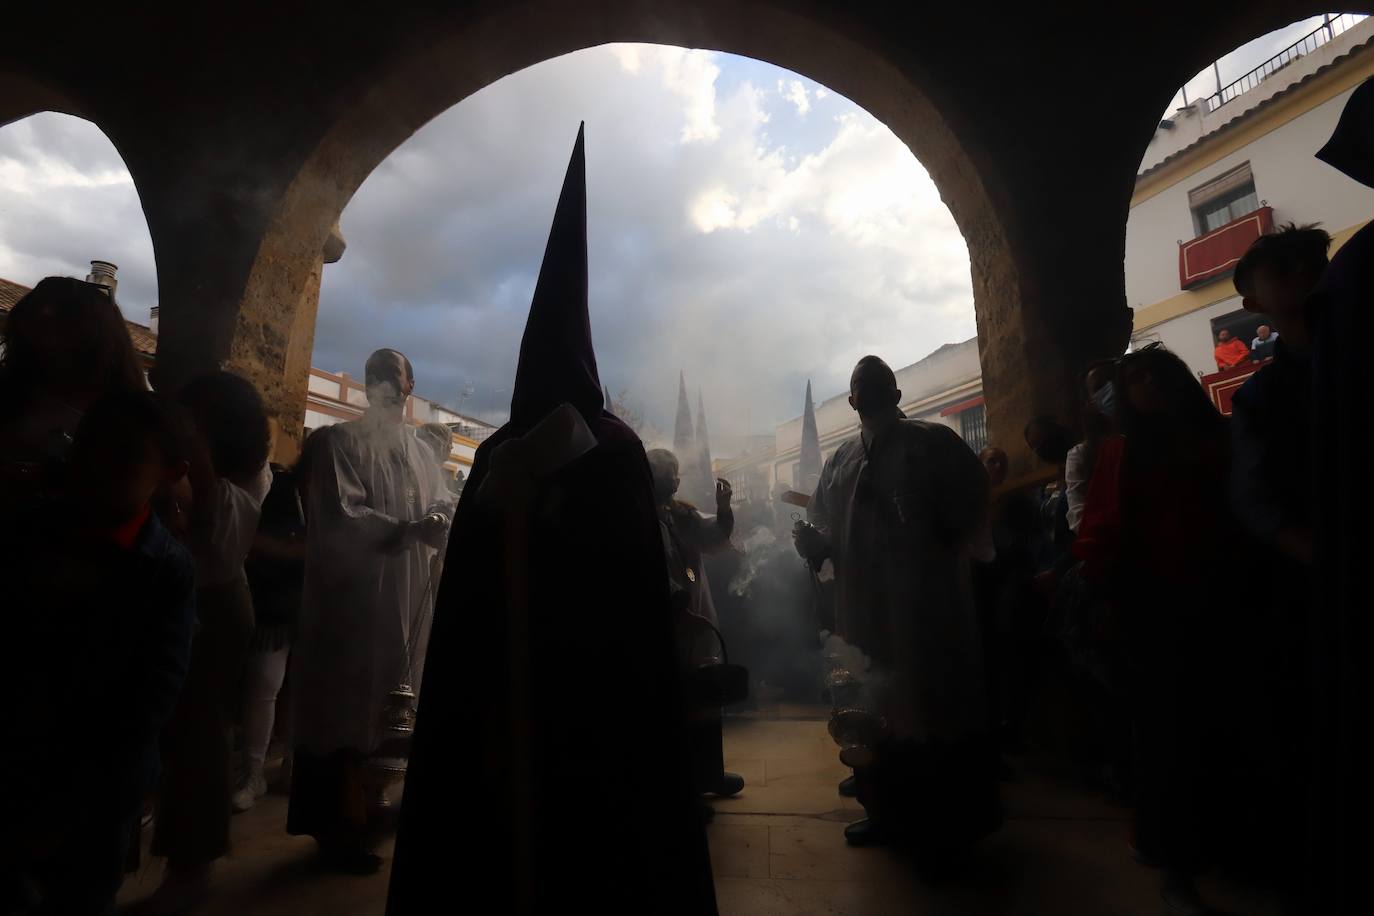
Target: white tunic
368,600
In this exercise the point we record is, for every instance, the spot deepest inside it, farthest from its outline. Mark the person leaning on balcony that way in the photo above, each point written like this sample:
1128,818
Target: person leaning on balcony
1262,347
1230,351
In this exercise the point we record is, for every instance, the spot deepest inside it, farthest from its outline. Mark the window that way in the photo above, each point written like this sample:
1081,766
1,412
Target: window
1223,200
1245,326
973,426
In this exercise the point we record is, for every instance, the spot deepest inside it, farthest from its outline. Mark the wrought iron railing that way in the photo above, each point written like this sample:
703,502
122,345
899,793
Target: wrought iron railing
1324,33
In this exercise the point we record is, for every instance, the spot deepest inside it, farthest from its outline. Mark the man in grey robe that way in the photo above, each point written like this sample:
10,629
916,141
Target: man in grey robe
376,512
898,512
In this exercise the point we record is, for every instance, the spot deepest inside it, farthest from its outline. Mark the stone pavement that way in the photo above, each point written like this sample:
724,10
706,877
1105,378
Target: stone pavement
778,849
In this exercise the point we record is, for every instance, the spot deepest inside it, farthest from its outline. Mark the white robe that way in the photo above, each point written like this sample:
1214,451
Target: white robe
364,600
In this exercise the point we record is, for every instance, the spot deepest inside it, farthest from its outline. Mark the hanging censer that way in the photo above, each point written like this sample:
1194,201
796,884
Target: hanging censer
388,762
853,727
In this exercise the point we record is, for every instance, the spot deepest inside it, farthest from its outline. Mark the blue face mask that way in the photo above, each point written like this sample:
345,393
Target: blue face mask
1104,399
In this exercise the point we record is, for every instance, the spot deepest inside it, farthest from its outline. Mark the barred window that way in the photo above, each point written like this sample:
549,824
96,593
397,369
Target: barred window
973,426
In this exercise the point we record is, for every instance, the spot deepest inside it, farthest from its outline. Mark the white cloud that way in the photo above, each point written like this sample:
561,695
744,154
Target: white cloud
66,198
795,93
752,253
714,209
689,75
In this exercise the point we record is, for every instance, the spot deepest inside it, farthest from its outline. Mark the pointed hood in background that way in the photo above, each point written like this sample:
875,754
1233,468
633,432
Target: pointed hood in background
683,436
810,470
707,482
557,362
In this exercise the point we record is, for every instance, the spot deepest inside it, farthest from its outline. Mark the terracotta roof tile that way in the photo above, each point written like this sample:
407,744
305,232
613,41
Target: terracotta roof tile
10,293
145,342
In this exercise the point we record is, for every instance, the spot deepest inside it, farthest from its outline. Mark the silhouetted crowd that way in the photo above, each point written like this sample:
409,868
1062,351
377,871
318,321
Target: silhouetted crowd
157,578
1185,582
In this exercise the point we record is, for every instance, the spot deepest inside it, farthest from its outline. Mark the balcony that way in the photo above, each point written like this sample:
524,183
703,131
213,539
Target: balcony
1222,386
1215,254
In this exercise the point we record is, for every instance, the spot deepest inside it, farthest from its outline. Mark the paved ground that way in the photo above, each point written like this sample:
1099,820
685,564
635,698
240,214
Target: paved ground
778,849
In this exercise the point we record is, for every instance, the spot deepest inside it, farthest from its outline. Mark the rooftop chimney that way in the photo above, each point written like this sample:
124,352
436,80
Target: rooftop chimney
103,274
152,320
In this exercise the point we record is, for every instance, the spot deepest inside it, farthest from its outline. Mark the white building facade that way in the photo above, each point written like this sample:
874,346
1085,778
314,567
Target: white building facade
1225,168
335,398
946,387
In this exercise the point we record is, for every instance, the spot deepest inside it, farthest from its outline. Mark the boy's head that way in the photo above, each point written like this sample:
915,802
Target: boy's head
227,412
127,446
1275,276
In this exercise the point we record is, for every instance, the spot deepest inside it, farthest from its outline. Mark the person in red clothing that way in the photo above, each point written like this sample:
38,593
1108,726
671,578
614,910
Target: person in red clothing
1155,534
1230,351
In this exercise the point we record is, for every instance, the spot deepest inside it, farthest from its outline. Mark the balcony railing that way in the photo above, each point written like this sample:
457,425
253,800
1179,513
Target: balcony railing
1216,253
1326,32
1222,386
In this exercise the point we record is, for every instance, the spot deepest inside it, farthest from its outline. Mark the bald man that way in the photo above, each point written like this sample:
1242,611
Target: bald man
896,512
377,510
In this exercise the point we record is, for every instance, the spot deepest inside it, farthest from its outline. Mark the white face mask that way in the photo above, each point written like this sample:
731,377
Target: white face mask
1104,399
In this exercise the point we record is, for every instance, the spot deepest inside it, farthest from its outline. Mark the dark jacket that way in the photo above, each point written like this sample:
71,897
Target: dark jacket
97,645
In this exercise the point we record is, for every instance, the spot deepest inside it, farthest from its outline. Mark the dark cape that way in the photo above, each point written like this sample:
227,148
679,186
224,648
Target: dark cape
1340,309
549,768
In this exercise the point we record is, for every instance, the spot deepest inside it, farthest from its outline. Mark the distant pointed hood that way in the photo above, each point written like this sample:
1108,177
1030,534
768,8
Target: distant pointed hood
703,450
557,362
1351,147
810,457
683,435
703,439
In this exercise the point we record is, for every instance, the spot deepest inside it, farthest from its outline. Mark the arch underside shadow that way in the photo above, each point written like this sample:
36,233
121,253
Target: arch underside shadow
1031,123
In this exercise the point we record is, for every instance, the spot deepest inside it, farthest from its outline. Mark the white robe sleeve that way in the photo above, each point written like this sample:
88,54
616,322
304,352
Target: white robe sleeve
339,497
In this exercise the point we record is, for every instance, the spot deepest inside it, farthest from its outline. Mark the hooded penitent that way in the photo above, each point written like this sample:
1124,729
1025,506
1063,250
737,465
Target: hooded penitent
1340,311
706,480
810,471
548,773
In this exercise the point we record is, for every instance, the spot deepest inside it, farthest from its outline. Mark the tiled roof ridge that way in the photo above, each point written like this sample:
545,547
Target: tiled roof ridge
144,340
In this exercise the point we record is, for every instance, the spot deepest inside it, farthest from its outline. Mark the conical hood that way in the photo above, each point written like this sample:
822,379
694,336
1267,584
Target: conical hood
703,439
557,362
682,429
1351,147
810,459
706,479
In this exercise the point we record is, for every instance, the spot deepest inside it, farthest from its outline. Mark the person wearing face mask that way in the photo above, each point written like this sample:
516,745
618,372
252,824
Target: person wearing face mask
377,511
1156,539
897,511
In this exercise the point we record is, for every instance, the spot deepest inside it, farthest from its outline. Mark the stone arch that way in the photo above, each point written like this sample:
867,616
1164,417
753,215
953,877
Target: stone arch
415,89
247,141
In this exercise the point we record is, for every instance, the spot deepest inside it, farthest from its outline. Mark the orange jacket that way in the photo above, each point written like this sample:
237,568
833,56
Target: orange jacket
1232,353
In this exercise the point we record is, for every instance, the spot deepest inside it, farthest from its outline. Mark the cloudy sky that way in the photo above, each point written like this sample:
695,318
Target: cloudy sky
747,226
